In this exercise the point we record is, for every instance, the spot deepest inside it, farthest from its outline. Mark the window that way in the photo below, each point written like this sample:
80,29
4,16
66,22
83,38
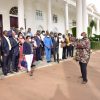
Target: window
74,23
55,18
14,11
39,15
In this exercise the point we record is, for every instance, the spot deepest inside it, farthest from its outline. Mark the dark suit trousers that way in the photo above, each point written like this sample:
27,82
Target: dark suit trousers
83,67
55,54
69,51
5,64
15,61
64,52
38,54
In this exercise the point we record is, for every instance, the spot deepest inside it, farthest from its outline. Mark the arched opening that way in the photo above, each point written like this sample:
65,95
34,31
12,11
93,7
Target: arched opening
13,11
13,17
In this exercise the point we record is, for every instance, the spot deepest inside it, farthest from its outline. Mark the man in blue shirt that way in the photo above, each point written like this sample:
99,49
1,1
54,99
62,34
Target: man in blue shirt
48,46
29,33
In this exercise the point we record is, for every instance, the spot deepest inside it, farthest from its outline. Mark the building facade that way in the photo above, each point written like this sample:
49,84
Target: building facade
51,15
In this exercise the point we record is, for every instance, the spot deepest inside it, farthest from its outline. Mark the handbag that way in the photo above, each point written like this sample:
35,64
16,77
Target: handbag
24,63
63,45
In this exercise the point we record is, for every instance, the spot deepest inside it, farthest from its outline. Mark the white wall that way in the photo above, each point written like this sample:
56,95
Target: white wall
61,20
32,6
5,6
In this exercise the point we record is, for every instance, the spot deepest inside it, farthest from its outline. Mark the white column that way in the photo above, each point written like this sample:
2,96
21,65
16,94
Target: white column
85,16
98,26
21,13
66,17
28,14
49,16
79,18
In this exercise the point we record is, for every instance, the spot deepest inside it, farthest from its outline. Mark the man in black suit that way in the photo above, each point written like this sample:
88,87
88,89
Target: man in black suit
0,53
6,47
14,52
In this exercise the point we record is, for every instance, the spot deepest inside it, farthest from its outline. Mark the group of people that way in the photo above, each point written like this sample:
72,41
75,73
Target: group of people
20,50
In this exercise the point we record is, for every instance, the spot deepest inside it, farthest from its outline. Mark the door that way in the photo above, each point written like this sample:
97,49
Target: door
13,21
1,25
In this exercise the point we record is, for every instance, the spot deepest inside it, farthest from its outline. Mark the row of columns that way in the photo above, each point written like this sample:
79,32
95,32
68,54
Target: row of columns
81,16
21,14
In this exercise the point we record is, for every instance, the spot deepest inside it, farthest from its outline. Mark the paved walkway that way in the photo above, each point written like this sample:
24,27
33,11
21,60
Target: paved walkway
55,82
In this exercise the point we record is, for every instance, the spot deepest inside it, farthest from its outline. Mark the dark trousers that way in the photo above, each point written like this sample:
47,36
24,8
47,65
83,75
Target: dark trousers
55,54
72,50
0,61
15,61
68,51
83,67
6,64
38,54
64,53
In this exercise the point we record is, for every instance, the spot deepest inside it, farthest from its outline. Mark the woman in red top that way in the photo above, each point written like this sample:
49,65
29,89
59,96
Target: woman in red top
21,41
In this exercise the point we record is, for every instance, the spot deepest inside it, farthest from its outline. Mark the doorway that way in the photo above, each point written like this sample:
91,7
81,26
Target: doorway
13,21
1,25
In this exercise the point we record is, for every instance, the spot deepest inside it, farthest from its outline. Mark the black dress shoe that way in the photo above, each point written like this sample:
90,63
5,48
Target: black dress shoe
40,59
5,74
33,66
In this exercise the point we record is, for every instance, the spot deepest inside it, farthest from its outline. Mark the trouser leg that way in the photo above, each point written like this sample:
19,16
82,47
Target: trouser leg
29,61
46,51
15,60
9,63
64,52
68,51
49,55
4,65
81,68
54,53
84,71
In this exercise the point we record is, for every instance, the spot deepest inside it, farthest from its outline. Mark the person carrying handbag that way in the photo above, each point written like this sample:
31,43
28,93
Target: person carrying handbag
27,52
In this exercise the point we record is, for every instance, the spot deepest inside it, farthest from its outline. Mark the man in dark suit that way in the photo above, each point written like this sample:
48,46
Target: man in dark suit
6,47
14,52
55,41
38,51
0,53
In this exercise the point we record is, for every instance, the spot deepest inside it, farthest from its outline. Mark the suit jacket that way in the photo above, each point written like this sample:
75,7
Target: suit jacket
27,49
15,46
4,46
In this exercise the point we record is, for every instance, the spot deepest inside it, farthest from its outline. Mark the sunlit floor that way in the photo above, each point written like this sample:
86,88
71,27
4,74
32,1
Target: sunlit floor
54,82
